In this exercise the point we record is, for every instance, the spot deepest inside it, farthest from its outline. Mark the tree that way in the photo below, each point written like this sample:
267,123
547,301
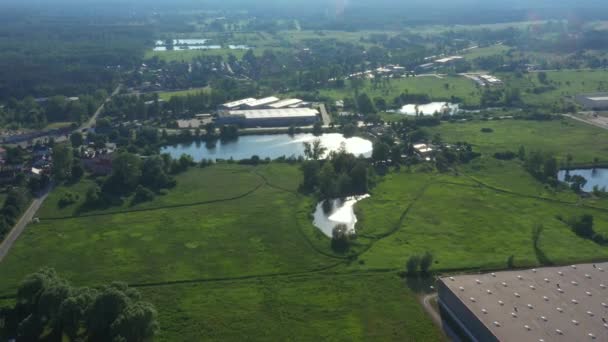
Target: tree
77,171
537,230
380,152
522,153
311,171
577,183
340,238
62,161
426,262
583,226
360,178
412,265
327,181
314,150
76,139
137,322
126,170
550,169
365,104
542,77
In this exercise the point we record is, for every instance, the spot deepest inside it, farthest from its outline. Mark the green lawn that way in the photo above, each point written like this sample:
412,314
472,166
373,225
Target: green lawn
231,250
486,51
565,82
167,95
436,88
559,137
361,307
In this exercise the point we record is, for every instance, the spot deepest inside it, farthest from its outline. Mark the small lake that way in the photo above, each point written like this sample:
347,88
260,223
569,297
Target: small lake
594,177
268,146
429,108
342,213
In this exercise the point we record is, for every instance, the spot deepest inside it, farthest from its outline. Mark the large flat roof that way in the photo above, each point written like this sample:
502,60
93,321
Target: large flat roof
275,113
285,103
239,102
598,98
262,102
546,304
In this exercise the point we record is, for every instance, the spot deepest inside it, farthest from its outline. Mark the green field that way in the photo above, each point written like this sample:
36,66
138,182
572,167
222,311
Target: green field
566,83
437,88
498,49
559,137
231,250
167,95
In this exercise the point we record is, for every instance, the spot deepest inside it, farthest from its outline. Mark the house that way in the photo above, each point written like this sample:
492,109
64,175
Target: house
423,150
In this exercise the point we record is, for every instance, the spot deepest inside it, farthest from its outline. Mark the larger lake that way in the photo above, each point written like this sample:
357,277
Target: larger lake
269,146
594,177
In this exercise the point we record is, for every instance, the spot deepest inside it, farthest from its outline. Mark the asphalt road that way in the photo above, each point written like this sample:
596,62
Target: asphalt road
25,219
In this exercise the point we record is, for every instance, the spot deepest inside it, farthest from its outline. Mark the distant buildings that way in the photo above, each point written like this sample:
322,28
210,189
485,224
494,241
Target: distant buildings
484,80
267,112
593,101
284,117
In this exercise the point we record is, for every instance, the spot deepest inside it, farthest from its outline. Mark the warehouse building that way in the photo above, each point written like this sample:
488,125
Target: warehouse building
291,103
595,101
546,304
261,103
237,104
284,117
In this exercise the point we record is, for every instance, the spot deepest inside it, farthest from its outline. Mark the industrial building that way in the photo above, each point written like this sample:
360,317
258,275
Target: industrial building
287,103
595,101
547,304
237,104
261,103
283,117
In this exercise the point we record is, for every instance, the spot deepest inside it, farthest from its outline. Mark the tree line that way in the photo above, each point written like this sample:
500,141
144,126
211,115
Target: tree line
49,308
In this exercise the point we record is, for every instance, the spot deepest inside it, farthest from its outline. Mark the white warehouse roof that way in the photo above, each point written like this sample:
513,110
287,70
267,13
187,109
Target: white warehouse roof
275,113
238,103
262,102
285,103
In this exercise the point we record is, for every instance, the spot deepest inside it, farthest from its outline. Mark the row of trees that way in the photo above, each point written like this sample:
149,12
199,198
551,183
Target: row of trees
49,306
417,263
30,113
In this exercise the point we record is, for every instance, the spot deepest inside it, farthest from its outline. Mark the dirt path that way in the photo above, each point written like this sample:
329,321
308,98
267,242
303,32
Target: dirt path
436,317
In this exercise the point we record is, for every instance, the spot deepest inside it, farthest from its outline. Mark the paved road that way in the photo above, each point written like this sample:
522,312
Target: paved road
324,115
91,122
27,217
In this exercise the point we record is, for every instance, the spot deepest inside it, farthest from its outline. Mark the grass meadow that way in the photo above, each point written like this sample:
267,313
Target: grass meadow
231,250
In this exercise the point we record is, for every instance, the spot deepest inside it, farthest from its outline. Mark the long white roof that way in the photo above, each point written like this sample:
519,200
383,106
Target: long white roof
275,113
239,102
285,103
262,102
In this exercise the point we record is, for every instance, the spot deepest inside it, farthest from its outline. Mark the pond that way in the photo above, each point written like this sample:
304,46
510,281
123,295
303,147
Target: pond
342,213
429,108
268,146
595,177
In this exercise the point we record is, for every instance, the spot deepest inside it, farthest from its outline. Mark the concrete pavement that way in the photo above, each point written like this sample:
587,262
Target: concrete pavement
20,226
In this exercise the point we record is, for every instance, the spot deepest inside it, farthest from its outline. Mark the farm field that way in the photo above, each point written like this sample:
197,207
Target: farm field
231,250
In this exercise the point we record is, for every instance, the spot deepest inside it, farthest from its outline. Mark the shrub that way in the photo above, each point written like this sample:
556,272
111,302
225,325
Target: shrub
68,198
507,155
487,130
143,194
